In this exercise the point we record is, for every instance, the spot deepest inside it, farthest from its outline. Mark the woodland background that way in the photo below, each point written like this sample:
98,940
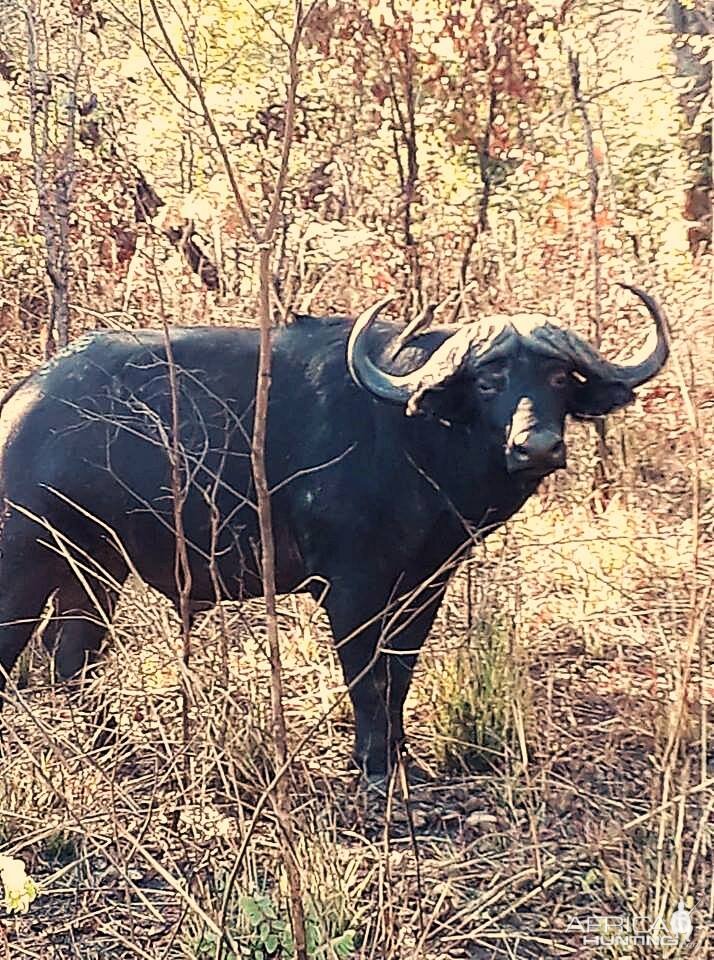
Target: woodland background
478,156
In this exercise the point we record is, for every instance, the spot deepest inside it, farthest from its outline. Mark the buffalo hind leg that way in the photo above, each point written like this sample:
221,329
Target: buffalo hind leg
28,575
21,606
79,624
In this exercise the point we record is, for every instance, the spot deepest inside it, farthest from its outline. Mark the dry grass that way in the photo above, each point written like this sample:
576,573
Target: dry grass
583,626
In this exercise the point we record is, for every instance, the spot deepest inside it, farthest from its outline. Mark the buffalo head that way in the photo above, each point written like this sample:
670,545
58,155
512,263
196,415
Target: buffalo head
518,376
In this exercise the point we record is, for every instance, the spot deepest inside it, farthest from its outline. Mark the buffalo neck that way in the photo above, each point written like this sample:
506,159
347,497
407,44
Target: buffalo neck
460,469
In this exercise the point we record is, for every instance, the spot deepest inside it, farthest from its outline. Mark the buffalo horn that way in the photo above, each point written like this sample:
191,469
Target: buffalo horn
471,342
492,338
590,362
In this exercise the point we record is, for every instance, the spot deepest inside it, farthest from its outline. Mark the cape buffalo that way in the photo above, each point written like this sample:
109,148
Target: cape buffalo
383,465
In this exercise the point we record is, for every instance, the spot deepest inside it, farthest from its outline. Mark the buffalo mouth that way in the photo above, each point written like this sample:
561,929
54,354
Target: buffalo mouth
532,473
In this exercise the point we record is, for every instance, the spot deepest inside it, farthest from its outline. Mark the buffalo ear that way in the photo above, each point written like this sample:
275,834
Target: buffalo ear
595,397
451,401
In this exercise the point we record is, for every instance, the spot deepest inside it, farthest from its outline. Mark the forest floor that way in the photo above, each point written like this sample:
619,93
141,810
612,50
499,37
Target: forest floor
561,713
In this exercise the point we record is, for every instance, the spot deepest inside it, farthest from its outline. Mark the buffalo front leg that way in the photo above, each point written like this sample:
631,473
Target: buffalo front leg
377,649
403,638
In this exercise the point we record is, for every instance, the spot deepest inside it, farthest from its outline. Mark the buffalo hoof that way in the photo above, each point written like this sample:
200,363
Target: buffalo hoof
418,775
377,785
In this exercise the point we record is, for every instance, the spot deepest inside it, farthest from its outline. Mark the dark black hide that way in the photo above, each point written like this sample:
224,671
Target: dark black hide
368,504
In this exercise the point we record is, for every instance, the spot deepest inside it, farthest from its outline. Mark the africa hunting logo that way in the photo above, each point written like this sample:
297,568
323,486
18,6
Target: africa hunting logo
629,931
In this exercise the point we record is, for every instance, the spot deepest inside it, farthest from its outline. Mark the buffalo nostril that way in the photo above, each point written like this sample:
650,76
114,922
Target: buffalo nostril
520,453
541,450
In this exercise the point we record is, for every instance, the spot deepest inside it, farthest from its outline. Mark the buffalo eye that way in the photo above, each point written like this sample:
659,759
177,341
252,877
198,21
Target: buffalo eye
558,380
490,386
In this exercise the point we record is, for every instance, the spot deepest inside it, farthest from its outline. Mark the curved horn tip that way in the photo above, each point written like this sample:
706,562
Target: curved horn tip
377,307
640,293
642,370
362,369
651,304
366,317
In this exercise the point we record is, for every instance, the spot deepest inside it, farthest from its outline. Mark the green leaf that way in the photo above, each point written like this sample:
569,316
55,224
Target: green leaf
269,910
252,909
312,936
344,946
271,943
591,879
